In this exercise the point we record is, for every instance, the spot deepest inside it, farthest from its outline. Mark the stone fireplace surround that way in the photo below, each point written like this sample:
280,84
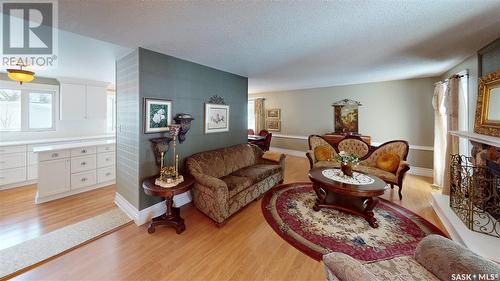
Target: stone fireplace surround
483,147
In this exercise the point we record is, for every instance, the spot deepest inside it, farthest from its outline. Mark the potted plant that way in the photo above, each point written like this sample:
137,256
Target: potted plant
347,161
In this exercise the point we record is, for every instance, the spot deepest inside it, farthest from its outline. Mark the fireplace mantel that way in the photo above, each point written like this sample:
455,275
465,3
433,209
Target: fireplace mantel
489,140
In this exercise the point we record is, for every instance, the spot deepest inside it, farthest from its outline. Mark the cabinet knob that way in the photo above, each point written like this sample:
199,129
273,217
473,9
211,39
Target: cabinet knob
55,155
84,151
84,163
84,179
108,174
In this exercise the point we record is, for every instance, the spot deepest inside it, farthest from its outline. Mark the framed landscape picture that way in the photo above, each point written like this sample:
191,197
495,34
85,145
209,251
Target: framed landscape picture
157,115
216,118
273,125
274,113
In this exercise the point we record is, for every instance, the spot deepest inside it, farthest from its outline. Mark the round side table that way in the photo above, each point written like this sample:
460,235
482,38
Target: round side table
172,216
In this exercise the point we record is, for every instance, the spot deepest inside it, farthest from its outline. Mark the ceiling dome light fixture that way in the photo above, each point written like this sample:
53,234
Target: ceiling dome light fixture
20,74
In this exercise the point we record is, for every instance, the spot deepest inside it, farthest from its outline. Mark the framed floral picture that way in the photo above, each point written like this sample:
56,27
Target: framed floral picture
216,118
157,115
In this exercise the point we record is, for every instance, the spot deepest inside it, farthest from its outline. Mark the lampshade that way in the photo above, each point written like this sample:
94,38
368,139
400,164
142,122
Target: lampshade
21,75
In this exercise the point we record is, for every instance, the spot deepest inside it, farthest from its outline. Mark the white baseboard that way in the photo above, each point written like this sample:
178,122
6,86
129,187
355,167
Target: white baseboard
17,184
145,215
289,151
418,171
42,199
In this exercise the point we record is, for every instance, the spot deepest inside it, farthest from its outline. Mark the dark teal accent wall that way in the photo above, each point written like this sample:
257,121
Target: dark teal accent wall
188,85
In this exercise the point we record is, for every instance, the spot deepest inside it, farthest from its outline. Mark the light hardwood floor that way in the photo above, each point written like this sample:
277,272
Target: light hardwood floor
246,248
21,219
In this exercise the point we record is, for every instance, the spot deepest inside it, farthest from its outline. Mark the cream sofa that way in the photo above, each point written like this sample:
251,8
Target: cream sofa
368,156
436,258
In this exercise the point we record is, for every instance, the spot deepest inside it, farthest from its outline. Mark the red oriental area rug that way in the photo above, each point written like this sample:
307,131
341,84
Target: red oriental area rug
288,209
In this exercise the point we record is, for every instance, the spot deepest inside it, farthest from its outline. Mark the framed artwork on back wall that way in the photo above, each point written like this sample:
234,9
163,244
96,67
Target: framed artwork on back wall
157,115
216,118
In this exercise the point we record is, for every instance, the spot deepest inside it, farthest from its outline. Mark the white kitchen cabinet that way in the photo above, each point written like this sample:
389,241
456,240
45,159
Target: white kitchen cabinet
96,102
73,100
56,177
82,100
68,169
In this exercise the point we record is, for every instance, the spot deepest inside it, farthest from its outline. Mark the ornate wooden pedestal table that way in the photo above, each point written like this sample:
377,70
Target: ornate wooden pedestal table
357,195
172,215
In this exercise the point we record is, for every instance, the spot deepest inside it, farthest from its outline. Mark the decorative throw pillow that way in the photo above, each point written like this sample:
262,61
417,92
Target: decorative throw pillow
271,156
323,153
388,162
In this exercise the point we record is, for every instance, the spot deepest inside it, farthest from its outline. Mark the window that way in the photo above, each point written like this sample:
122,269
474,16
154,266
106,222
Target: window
10,110
111,112
26,108
251,115
40,110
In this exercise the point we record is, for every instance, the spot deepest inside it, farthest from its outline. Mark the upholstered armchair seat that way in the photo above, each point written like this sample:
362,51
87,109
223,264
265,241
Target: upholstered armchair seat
228,179
436,258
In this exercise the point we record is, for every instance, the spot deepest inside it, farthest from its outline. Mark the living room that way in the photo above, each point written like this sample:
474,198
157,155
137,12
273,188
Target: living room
250,141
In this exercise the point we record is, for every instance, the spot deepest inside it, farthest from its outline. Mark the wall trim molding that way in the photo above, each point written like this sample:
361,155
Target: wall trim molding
417,171
144,216
289,151
374,143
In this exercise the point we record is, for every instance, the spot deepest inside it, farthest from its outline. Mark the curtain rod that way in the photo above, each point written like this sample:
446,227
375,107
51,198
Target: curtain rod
453,76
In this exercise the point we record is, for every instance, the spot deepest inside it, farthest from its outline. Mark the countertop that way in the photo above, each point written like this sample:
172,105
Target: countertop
46,148
41,141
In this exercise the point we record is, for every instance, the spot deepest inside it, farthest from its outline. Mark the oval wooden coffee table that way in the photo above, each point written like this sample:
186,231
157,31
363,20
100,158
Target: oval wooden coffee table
357,199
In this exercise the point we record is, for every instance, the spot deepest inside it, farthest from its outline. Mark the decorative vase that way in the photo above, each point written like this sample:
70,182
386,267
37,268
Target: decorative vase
346,169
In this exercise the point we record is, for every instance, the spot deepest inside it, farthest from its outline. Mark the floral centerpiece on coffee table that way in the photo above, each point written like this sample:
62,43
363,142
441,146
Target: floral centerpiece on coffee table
347,161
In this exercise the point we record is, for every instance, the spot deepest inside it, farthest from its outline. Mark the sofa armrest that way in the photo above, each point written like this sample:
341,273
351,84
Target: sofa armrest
311,157
345,268
402,168
214,184
443,257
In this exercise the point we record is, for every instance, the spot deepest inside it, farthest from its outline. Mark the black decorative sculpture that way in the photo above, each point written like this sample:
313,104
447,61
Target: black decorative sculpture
216,99
184,120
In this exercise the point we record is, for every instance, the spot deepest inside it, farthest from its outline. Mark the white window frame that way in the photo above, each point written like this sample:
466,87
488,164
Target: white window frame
25,90
252,113
111,129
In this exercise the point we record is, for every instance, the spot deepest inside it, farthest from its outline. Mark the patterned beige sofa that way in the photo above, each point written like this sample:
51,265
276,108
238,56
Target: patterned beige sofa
368,156
436,258
228,179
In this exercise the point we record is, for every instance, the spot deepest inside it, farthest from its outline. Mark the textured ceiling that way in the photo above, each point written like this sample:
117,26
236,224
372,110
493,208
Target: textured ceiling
284,45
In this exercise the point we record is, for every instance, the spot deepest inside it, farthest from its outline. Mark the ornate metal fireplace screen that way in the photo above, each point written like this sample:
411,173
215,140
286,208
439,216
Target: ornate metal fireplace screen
475,195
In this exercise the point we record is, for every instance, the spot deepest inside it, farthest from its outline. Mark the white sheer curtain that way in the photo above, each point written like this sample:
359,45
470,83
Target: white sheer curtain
445,102
440,131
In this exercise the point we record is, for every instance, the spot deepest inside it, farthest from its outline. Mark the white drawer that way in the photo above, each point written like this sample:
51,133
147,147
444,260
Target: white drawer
106,174
32,158
83,179
84,163
106,148
32,172
105,159
83,151
12,149
53,155
8,176
13,160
